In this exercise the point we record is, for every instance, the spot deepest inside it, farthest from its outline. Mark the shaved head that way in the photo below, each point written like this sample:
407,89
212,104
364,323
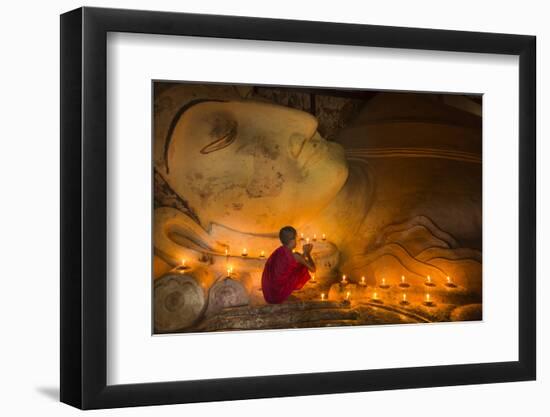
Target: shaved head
286,234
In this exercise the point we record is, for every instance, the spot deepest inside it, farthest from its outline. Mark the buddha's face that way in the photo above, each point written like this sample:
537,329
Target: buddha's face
253,167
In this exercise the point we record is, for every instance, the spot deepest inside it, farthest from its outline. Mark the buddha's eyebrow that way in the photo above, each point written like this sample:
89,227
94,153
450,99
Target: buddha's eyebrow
175,121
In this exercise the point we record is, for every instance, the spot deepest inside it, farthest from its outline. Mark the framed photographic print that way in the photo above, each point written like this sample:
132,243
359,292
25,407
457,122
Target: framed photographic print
258,207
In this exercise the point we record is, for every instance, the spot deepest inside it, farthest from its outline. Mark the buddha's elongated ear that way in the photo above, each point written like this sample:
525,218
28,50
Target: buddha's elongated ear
179,114
223,132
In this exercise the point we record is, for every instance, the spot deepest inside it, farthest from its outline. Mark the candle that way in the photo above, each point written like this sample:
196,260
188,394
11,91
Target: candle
429,282
403,284
344,279
312,278
229,270
428,301
183,266
314,237
348,295
302,236
262,254
324,237
375,298
307,240
450,283
226,252
363,280
383,284
322,296
245,252
404,299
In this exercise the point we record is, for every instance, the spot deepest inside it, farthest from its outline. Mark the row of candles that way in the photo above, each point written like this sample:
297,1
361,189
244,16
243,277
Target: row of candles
376,299
402,284
313,239
244,252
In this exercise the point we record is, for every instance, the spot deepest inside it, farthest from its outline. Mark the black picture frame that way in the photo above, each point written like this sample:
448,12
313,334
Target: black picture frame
84,207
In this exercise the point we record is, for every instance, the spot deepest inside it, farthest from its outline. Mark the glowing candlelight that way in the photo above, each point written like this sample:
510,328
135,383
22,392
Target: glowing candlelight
229,270
404,299
245,252
428,301
324,237
429,282
183,266
302,236
307,240
322,296
403,284
314,237
363,280
226,252
262,254
344,281
312,278
383,284
348,294
450,283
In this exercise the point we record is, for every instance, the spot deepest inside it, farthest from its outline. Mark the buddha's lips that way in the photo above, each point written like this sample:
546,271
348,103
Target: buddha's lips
311,155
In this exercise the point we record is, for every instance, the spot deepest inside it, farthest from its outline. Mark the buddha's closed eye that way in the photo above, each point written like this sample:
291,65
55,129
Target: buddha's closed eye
223,133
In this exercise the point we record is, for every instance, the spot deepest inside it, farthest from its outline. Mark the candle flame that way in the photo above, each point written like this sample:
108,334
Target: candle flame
383,281
363,279
348,295
322,296
428,297
429,279
262,253
404,297
375,295
324,236
183,262
449,280
402,278
226,252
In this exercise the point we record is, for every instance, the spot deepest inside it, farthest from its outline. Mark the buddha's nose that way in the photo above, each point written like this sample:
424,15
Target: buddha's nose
297,143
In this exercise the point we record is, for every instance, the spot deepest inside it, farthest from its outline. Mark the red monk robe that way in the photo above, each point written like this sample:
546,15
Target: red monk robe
282,275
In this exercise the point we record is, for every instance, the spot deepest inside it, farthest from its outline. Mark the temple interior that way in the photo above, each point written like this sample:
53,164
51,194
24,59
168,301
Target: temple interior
387,186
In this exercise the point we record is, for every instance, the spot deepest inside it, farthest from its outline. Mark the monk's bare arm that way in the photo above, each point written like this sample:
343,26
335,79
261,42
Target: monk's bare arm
305,260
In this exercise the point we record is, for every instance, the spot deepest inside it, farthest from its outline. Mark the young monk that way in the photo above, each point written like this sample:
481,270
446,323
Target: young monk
286,271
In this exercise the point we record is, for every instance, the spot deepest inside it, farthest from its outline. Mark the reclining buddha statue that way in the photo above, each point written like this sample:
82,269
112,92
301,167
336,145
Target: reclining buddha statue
396,193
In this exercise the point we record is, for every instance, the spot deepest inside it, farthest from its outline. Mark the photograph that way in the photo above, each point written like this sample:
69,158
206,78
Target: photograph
285,207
